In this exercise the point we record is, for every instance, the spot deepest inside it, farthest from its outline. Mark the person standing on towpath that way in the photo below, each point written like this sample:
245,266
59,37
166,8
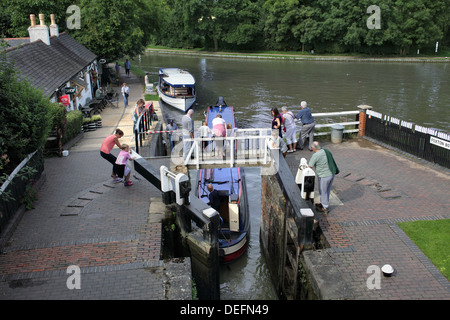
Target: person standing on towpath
308,125
326,169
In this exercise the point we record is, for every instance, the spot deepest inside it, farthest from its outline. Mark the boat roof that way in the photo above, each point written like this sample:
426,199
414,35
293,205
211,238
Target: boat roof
227,113
227,179
177,77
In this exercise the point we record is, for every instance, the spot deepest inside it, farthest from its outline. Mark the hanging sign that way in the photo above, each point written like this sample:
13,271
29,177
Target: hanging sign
64,100
69,90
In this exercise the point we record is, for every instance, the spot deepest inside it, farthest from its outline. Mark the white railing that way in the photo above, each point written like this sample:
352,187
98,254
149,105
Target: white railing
335,114
250,145
244,147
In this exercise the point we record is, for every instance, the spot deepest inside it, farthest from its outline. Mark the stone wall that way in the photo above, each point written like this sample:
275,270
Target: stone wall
284,232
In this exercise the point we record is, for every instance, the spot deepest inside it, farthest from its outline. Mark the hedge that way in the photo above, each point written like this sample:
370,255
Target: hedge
73,125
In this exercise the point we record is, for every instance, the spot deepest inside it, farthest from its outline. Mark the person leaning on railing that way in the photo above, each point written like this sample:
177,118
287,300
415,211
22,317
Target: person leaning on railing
308,126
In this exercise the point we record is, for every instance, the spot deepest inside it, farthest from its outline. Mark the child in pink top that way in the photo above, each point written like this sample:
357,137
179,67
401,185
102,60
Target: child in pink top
121,168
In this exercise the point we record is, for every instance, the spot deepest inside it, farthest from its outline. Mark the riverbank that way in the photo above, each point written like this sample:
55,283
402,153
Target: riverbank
298,56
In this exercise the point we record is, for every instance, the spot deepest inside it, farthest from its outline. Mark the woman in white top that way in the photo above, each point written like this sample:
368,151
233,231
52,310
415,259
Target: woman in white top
204,132
290,126
276,142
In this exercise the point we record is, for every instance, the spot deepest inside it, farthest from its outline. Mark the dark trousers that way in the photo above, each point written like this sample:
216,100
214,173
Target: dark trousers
110,158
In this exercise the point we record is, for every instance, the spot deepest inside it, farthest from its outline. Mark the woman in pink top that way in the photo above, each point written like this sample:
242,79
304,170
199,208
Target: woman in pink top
219,126
105,150
219,130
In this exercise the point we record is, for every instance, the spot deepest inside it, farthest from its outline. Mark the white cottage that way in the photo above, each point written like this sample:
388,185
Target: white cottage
63,68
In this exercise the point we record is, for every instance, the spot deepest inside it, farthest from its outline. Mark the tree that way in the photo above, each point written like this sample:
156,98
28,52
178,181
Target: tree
308,30
15,15
412,25
113,28
282,21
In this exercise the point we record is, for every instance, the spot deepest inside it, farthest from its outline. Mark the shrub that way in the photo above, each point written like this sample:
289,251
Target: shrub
24,115
96,117
73,125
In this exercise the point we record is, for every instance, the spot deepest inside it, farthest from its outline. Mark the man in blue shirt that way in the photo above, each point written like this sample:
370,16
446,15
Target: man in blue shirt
127,68
308,125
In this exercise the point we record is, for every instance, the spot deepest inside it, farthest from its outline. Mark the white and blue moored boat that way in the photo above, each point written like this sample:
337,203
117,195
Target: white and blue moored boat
176,87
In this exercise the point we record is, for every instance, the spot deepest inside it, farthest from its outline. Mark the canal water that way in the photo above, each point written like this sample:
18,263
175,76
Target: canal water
415,92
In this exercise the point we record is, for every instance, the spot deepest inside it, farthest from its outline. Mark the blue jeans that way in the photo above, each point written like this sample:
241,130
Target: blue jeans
325,184
172,143
125,100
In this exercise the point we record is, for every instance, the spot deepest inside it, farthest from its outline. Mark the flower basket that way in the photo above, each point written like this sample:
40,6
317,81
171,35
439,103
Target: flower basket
85,125
97,120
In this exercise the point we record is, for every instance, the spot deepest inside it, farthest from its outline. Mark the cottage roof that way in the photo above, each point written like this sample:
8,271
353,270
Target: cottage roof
49,66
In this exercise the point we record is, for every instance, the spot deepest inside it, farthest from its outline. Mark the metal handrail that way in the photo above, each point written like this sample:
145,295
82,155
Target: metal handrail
142,124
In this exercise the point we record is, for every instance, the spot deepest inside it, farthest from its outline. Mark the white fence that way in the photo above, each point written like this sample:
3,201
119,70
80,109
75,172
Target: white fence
335,114
244,147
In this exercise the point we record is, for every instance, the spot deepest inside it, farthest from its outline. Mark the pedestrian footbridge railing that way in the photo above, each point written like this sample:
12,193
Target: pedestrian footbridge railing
241,148
324,120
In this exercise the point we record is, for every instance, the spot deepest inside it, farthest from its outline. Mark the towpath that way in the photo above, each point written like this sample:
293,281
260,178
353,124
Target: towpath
377,188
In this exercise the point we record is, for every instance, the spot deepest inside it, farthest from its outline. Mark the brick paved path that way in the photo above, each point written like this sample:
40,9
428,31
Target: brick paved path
81,218
378,188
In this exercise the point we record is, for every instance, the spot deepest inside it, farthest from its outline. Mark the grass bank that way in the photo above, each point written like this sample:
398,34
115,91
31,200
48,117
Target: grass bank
432,238
442,56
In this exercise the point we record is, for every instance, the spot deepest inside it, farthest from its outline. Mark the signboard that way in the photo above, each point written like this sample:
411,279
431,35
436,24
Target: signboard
440,142
64,100
69,90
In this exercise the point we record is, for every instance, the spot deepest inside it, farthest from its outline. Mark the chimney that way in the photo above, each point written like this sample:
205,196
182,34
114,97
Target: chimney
54,31
38,32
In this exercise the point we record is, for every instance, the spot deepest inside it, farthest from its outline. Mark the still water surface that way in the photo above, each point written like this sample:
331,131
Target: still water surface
415,92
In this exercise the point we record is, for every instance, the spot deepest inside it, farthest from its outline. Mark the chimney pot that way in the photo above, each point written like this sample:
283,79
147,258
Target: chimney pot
41,19
33,20
38,32
54,30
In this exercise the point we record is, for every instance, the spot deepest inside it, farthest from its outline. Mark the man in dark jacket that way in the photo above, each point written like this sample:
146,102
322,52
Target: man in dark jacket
214,198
